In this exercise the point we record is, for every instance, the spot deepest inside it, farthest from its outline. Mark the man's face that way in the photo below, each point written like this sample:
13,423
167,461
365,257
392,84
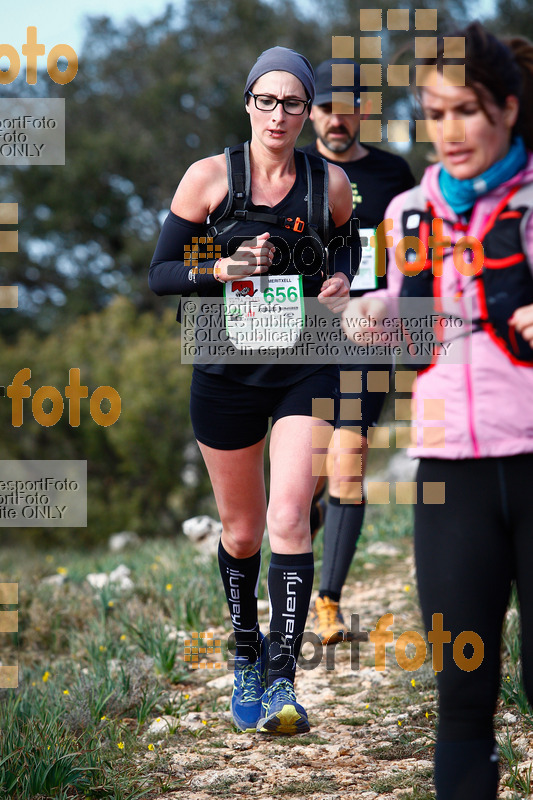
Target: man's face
337,132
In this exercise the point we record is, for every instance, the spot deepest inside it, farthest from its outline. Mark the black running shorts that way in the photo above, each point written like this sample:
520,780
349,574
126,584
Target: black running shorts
228,415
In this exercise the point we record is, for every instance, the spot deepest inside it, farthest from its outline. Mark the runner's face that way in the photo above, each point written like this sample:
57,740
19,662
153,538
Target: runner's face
277,129
337,132
487,131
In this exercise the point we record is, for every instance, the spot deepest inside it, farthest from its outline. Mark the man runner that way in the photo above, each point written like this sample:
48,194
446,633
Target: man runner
376,177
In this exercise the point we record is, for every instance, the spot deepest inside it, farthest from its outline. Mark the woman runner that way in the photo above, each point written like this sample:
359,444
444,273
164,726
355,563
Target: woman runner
473,408
231,403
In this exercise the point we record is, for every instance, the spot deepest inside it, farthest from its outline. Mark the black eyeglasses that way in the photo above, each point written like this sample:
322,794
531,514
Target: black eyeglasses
291,105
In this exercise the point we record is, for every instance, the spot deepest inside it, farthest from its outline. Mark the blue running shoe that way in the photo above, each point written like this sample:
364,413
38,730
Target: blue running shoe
280,713
248,686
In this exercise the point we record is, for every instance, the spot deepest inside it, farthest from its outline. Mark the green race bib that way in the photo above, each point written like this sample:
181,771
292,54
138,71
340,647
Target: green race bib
264,311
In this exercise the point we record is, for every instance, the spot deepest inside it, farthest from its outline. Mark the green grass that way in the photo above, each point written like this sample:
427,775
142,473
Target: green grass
223,787
306,788
396,752
96,667
418,778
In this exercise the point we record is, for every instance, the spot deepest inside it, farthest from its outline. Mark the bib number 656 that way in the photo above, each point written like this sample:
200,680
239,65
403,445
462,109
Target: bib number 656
281,295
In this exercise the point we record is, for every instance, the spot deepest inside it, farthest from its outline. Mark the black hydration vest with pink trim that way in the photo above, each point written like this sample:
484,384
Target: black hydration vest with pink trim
504,283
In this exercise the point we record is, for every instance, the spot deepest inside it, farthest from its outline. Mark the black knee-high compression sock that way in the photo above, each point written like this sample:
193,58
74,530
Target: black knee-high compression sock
240,577
341,532
290,582
466,770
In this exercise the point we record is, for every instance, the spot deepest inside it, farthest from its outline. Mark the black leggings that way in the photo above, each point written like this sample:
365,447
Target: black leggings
468,552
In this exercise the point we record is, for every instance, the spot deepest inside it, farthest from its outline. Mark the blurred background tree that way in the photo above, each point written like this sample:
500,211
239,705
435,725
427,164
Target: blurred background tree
144,472
147,101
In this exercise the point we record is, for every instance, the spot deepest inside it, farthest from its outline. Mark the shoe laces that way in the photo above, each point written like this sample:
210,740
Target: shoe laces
329,610
249,678
283,690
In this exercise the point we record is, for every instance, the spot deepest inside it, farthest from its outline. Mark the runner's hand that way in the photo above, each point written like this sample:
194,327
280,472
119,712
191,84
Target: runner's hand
363,316
253,257
335,292
522,322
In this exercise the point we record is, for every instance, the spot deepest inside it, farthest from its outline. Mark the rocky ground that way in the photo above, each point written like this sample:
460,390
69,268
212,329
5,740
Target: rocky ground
372,731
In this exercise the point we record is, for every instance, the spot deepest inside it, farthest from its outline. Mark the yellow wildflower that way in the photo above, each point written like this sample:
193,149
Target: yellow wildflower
46,676
150,747
66,691
407,588
120,745
413,682
62,570
168,587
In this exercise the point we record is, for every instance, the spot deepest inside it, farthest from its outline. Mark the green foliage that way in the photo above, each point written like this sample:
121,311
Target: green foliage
75,725
144,471
149,100
513,692
512,18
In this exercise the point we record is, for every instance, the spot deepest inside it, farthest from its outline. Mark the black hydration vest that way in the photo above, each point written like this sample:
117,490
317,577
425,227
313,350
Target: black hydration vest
503,283
238,206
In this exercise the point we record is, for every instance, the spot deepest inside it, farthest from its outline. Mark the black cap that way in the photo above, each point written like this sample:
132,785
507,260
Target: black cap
324,88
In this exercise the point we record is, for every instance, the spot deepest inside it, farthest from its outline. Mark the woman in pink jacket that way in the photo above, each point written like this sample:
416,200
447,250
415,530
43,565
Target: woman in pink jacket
473,406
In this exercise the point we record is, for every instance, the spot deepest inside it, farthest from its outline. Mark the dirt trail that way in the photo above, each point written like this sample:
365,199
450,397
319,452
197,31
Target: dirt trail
372,731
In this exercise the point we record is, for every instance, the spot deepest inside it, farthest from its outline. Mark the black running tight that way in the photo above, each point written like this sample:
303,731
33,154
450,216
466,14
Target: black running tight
468,553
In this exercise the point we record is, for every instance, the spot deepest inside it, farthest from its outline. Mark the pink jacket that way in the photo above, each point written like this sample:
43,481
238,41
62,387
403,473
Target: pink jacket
487,407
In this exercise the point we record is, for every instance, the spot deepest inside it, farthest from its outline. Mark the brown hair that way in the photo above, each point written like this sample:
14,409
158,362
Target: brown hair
500,68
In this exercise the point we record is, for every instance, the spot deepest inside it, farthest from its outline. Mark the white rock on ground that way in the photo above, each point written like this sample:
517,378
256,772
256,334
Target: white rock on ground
98,580
382,549
120,541
119,578
54,580
163,725
199,528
